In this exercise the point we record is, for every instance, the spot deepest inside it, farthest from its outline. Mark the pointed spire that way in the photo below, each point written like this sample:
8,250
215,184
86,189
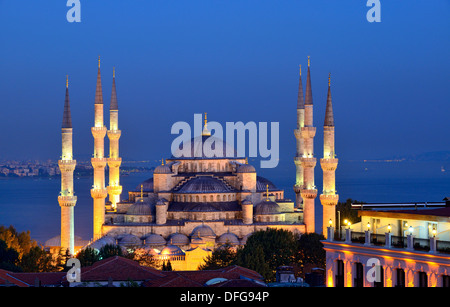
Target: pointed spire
113,105
300,99
98,90
308,94
67,118
329,118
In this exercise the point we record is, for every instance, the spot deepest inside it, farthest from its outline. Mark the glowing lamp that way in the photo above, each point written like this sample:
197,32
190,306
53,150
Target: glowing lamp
368,226
330,222
389,227
410,230
434,232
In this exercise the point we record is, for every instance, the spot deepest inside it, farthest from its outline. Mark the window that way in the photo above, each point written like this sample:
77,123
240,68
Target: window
339,274
446,281
380,283
423,279
400,278
359,275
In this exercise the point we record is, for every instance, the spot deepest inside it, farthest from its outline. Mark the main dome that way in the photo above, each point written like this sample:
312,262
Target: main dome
205,184
205,147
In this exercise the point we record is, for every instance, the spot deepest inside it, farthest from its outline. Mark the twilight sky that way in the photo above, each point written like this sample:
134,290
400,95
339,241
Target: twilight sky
237,60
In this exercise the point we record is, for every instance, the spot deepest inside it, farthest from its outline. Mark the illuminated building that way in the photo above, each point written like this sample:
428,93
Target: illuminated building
204,200
411,248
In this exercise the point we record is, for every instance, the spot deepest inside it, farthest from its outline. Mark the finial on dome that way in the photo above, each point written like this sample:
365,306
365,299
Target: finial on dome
162,161
114,72
142,192
205,128
267,192
246,161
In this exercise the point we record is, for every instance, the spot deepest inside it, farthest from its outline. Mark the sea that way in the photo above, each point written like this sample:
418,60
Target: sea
30,204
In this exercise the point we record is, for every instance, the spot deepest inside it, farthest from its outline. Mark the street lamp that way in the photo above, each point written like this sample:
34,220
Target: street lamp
368,226
389,228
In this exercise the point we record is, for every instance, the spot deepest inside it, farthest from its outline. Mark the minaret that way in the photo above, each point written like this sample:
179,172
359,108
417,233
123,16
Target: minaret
66,199
98,191
309,191
114,161
329,198
298,136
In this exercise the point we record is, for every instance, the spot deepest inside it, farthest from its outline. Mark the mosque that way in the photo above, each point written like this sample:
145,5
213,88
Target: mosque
194,204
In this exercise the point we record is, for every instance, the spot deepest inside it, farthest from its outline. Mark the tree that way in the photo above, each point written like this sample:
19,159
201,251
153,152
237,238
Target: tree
221,257
311,250
8,258
278,247
88,256
37,260
110,250
21,242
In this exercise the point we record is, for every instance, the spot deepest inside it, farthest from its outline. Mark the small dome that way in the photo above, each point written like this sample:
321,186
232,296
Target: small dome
172,250
140,208
154,239
162,169
245,168
266,207
147,186
229,238
129,240
106,240
203,231
178,239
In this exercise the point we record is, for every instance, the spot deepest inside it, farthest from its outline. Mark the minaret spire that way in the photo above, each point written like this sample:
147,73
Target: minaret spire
328,198
298,135
308,161
66,198
99,192
114,161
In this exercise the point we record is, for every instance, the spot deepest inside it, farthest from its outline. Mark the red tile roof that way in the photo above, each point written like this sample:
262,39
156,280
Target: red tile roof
122,269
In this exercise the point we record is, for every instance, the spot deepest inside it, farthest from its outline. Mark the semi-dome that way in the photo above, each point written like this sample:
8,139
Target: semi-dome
246,168
205,184
203,231
205,147
178,239
266,207
172,250
262,183
229,238
162,169
147,186
140,208
154,239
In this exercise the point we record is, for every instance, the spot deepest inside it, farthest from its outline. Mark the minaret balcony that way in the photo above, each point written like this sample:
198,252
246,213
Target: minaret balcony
308,193
298,160
114,162
114,134
298,133
298,188
99,162
67,165
308,132
329,164
98,132
308,162
329,199
114,190
67,201
99,193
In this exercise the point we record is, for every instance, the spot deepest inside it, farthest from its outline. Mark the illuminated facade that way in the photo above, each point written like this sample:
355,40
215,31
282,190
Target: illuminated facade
411,248
67,198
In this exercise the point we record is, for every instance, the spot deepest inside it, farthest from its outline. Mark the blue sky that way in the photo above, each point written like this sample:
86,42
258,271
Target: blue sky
235,60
